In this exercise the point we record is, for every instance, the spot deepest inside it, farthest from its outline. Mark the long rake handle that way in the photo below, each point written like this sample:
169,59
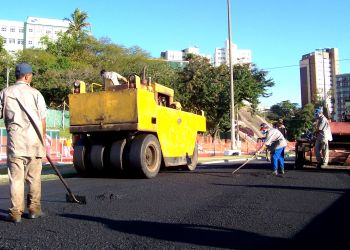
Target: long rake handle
61,178
248,160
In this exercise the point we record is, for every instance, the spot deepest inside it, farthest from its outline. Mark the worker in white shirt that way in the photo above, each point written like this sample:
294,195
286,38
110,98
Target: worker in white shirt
111,79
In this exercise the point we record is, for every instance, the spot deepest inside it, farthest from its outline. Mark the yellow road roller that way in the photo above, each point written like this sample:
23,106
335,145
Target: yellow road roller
132,128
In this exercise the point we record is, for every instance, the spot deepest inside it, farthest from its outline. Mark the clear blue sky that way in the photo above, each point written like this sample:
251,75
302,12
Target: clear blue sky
278,32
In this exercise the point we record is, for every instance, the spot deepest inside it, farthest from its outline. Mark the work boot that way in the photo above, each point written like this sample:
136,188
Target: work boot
282,172
274,173
35,214
12,218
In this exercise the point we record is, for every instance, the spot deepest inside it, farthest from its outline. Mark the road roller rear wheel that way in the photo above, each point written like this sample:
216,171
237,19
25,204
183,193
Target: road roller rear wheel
145,155
97,157
116,156
80,161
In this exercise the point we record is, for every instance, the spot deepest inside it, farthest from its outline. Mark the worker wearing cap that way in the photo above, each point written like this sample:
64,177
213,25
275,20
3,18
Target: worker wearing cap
23,109
323,135
276,143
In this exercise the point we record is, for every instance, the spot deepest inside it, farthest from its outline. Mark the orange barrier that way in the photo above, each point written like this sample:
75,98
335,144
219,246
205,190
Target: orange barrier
209,147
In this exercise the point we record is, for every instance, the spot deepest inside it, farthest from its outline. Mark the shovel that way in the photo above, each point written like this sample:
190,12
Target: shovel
70,197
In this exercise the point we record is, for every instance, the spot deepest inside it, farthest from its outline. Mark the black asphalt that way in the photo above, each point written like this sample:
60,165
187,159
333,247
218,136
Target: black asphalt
206,209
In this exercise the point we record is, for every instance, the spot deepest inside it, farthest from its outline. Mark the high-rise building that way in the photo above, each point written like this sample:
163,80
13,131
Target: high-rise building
239,56
318,72
342,99
20,35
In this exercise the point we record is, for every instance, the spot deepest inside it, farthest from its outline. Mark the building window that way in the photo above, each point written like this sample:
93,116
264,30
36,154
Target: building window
12,40
5,40
48,32
21,30
30,42
20,41
3,28
30,30
12,29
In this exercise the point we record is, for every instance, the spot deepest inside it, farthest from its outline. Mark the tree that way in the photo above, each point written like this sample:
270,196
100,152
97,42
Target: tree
205,87
301,123
283,110
78,24
6,64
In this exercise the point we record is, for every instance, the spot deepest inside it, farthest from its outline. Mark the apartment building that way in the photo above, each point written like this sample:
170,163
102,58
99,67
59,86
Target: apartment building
342,100
239,56
19,35
318,72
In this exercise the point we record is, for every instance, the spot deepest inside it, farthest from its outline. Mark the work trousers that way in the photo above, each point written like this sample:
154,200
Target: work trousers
322,152
20,170
277,159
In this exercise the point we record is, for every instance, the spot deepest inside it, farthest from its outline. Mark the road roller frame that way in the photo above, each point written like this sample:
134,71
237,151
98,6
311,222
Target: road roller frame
133,128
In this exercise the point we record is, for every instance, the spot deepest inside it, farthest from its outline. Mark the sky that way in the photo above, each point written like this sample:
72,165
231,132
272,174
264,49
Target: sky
277,32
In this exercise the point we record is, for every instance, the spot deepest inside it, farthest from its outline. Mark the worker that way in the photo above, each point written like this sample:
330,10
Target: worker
23,109
111,79
276,143
323,135
280,126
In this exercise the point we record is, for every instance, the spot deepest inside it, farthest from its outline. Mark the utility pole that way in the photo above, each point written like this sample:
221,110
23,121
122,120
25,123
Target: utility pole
233,129
7,75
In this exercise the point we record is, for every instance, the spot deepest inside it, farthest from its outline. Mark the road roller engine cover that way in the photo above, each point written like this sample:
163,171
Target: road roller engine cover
132,128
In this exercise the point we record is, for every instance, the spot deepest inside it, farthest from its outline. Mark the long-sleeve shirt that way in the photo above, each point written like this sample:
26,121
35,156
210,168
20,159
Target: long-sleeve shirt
323,129
274,139
23,109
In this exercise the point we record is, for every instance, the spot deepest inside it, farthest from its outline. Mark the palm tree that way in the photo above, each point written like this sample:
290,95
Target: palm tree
77,23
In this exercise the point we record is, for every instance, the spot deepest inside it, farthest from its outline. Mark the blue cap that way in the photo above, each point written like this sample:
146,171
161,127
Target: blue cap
22,69
319,110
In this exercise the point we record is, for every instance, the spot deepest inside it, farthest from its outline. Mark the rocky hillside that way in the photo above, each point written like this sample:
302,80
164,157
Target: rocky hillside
247,120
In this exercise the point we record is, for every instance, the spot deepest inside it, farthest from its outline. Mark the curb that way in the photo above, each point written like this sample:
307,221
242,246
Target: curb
220,161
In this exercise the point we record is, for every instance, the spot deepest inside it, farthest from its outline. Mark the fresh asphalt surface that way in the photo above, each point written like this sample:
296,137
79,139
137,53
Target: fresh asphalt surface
206,209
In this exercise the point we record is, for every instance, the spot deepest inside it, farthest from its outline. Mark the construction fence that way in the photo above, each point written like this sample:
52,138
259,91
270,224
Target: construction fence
209,147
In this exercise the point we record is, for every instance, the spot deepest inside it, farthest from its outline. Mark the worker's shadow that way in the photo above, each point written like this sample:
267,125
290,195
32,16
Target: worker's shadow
202,235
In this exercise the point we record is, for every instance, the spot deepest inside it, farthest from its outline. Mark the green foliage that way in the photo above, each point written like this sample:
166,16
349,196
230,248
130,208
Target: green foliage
283,110
78,25
76,55
6,63
205,87
296,120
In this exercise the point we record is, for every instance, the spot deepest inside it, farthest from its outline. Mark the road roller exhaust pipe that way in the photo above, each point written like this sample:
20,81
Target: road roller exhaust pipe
70,197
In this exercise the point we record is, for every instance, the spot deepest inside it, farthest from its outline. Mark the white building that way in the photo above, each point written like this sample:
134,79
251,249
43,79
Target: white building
13,34
19,35
239,56
180,55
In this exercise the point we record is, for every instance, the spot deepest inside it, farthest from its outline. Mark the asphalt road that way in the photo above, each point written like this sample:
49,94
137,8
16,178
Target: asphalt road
206,209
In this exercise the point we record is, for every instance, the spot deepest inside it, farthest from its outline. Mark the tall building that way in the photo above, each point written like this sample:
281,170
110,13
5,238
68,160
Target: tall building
239,56
318,72
342,99
20,35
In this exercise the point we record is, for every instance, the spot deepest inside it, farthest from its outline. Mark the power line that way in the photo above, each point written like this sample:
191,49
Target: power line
297,65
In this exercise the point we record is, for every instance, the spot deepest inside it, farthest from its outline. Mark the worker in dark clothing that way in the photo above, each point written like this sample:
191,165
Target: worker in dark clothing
280,126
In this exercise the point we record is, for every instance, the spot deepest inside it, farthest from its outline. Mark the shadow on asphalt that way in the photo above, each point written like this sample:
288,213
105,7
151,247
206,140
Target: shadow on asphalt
328,230
203,235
